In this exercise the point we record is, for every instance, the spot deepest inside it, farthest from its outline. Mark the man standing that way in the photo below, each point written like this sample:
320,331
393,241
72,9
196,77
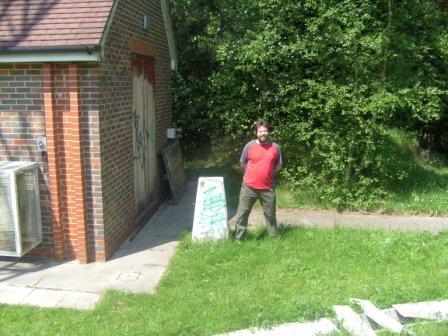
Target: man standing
261,159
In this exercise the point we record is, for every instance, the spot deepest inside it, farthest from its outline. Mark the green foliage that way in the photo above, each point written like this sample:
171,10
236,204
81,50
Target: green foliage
331,76
415,179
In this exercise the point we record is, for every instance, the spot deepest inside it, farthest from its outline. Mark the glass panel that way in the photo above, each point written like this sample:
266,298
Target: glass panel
7,238
28,212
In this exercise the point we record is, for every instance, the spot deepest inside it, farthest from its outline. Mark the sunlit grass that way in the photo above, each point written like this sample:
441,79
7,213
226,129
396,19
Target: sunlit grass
423,329
212,288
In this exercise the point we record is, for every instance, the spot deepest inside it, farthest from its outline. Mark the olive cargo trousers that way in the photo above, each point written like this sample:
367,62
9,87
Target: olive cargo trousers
248,196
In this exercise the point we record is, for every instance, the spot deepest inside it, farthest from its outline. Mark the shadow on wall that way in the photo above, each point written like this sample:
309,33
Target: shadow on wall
17,21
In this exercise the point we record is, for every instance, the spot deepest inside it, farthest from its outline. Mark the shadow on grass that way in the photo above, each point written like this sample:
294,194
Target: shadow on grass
261,233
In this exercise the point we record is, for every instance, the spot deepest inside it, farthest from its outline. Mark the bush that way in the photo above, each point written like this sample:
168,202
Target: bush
331,77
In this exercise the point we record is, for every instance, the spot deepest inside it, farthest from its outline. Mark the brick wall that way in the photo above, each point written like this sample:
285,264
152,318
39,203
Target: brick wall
67,153
21,123
90,89
22,117
116,113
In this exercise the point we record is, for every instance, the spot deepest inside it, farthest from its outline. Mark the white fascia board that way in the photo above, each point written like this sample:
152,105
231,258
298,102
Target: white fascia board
169,33
21,57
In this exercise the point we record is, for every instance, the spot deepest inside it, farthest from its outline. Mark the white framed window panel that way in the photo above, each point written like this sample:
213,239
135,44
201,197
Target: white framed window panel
20,212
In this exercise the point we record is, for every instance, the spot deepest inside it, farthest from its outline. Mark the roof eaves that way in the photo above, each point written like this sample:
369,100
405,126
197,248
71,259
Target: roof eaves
61,48
86,53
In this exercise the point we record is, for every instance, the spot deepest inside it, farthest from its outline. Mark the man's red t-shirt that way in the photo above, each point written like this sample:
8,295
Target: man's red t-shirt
260,161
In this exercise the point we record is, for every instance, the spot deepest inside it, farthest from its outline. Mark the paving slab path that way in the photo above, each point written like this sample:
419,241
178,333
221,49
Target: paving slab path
137,266
331,219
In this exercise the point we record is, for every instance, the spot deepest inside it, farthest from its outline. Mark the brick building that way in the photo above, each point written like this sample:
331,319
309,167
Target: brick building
94,79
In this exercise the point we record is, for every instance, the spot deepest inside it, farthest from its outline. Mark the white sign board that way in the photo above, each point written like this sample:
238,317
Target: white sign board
210,211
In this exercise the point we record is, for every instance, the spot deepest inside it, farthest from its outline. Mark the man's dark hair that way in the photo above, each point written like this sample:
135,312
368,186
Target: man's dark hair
260,123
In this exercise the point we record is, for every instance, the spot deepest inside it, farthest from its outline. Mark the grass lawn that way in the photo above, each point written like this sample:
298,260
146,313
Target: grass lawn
424,329
212,288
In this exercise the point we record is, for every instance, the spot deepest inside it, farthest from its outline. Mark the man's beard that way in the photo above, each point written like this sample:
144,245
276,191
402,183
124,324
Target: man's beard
260,139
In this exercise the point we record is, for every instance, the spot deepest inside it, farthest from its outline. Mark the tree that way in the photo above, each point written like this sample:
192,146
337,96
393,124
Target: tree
331,76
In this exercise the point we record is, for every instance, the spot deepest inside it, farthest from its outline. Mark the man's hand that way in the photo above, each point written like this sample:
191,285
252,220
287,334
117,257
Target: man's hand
278,168
243,166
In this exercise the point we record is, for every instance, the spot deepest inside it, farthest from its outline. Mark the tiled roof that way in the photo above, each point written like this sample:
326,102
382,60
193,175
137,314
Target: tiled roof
44,23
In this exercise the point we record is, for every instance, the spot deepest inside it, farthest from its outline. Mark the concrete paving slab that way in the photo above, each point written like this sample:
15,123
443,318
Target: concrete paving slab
118,273
168,227
319,327
352,322
24,273
154,256
59,298
13,294
28,278
128,276
84,278
434,310
378,316
43,298
330,219
169,246
392,313
79,300
145,283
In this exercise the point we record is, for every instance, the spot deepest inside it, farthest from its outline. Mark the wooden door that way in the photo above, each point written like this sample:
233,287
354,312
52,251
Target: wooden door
144,130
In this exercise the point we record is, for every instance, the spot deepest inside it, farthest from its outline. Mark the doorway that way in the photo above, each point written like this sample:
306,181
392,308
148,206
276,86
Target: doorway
144,130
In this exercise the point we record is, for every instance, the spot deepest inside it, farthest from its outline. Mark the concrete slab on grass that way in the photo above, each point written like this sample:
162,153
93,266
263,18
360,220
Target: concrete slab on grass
352,322
21,272
434,310
13,294
378,316
79,300
60,298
